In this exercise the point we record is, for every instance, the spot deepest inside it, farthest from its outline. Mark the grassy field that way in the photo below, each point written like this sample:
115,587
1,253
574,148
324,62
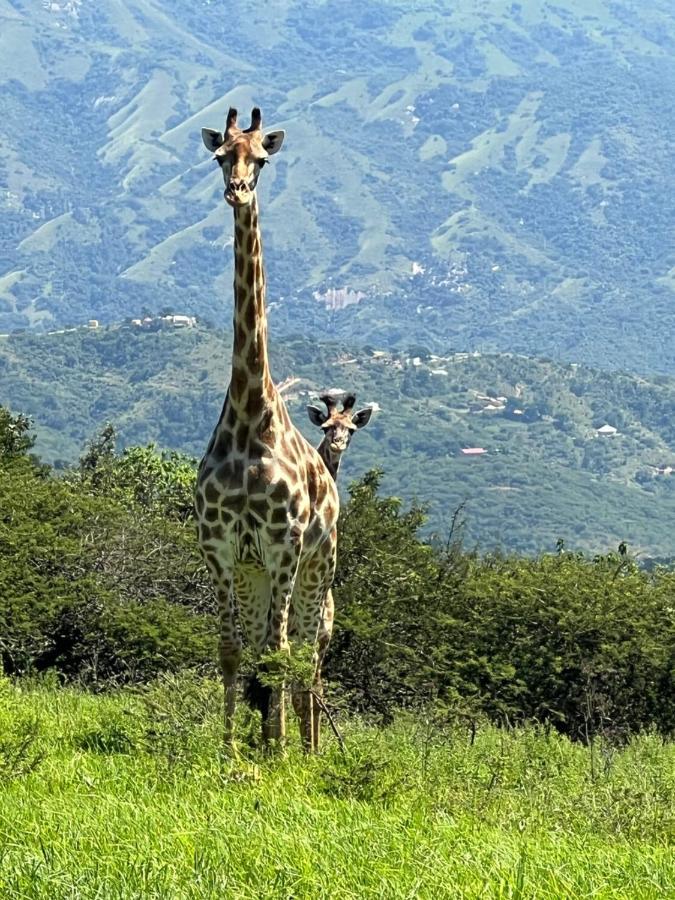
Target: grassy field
126,796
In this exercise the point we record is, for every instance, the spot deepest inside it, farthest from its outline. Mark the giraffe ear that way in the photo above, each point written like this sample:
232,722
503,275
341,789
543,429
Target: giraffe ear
212,139
362,417
272,141
316,416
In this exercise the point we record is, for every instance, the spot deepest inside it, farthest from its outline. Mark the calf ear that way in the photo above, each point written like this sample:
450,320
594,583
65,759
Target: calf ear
362,417
316,416
212,139
272,141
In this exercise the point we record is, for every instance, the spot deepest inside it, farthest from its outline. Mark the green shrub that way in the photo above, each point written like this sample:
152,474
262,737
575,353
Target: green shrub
94,588
585,644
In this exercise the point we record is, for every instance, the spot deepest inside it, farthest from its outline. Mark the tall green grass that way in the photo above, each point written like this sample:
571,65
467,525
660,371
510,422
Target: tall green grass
128,796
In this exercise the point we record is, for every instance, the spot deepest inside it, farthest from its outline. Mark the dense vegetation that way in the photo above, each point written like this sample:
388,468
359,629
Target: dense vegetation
438,654
585,644
485,176
101,581
547,474
99,577
126,796
490,176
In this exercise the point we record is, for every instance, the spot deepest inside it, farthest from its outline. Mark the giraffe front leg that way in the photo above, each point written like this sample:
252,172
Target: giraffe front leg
229,652
264,602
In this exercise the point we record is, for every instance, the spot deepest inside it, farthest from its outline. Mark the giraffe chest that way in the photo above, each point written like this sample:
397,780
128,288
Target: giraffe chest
247,507
239,485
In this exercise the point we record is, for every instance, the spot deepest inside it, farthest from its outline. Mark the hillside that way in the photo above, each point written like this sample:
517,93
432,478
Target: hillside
495,176
547,473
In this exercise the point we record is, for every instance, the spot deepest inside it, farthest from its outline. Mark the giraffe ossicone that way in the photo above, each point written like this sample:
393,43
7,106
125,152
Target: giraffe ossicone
266,505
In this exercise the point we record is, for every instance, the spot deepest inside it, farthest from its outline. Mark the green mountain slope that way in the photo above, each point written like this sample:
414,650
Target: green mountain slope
547,473
488,175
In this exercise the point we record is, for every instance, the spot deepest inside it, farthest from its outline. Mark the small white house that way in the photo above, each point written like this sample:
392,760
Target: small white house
181,321
606,430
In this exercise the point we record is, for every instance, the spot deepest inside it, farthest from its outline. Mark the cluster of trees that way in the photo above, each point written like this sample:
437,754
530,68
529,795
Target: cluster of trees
101,581
585,643
99,575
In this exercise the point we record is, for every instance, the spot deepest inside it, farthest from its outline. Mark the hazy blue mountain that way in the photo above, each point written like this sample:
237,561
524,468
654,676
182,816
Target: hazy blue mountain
547,472
492,175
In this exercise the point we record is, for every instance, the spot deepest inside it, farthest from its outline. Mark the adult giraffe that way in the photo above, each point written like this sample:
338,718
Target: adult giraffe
266,505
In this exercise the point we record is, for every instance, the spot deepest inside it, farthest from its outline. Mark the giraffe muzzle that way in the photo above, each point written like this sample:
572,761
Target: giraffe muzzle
238,193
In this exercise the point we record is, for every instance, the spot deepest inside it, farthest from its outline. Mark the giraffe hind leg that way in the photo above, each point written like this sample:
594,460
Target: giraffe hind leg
257,694
324,636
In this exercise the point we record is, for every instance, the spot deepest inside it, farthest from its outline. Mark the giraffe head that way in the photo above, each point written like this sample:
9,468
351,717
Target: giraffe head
338,426
241,154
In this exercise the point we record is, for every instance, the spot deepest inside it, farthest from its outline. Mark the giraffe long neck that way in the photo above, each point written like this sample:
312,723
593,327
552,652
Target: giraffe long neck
331,463
251,384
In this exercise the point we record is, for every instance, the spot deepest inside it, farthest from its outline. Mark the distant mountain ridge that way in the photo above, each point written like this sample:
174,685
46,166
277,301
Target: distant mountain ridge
550,470
494,176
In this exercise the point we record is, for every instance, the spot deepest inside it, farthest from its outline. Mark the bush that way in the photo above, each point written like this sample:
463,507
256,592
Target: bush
94,588
385,589
587,645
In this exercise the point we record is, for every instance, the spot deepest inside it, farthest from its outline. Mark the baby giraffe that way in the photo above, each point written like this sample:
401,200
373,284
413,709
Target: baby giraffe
338,427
